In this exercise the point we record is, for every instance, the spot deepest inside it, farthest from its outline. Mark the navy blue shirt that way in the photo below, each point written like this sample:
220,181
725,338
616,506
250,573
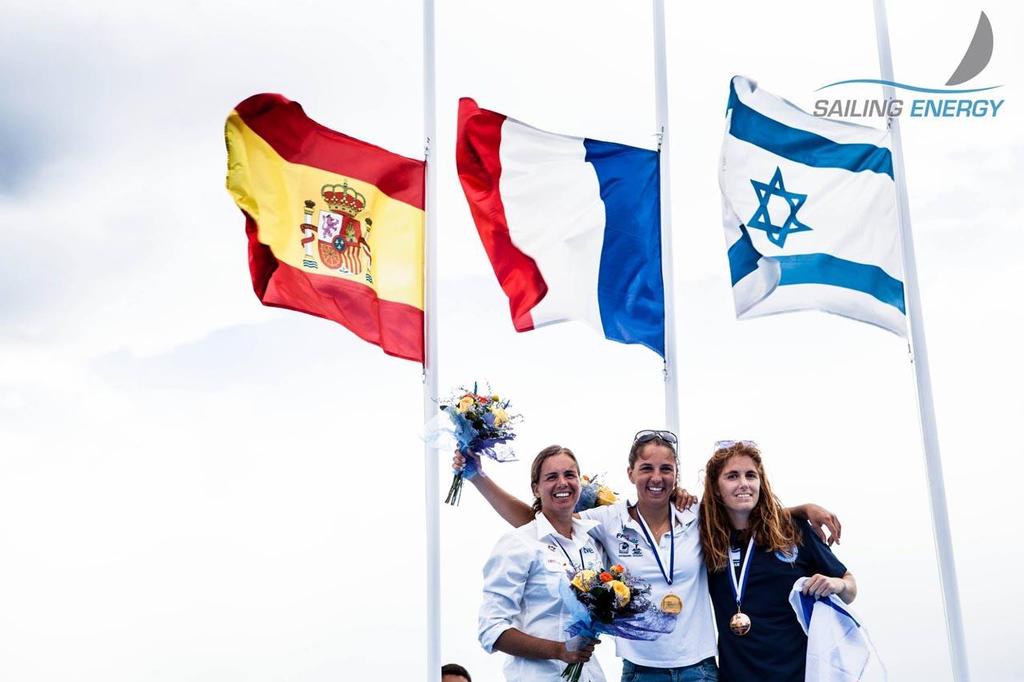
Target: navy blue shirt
776,647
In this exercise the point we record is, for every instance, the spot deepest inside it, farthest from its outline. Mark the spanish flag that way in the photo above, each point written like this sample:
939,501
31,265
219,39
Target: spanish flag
335,224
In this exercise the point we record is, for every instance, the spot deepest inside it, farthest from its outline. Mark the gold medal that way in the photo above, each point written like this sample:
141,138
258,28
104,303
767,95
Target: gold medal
671,604
739,624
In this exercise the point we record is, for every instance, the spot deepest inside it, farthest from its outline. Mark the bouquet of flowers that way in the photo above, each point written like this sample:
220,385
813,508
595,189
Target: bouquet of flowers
611,602
594,493
481,425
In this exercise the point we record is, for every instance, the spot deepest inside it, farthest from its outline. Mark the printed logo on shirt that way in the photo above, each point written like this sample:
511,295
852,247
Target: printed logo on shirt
629,543
734,556
552,548
789,556
587,550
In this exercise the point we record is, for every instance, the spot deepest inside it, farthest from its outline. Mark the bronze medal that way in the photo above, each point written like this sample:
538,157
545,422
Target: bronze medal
671,604
739,624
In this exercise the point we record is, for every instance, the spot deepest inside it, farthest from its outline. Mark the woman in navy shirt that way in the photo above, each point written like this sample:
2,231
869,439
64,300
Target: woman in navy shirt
754,552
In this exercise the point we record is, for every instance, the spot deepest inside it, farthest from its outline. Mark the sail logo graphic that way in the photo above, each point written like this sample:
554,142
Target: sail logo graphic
945,103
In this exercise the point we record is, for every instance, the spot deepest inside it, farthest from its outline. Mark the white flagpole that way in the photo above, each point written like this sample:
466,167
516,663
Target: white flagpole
919,358
430,464
661,106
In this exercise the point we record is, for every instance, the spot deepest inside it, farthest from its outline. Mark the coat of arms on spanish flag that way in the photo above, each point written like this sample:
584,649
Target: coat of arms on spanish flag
335,224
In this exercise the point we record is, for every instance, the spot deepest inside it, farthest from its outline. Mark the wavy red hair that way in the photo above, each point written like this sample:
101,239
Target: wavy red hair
770,524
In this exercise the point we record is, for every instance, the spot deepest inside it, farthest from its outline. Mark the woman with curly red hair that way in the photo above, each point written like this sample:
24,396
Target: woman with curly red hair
754,552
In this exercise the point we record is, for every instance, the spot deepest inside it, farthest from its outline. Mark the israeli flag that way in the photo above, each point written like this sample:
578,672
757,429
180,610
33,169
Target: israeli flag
809,207
839,648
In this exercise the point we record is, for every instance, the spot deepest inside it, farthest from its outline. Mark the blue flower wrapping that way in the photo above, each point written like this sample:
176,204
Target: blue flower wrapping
470,442
588,497
647,625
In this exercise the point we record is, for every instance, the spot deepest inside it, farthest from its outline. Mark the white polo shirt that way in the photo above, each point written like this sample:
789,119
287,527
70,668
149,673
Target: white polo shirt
693,639
521,580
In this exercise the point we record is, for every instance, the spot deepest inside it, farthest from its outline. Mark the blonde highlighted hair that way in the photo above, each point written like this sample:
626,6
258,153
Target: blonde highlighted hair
770,524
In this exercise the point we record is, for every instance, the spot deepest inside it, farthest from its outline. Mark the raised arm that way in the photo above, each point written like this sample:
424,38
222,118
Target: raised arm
516,512
819,516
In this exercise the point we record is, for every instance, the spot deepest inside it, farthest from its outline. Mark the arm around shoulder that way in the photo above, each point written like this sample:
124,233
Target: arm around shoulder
818,516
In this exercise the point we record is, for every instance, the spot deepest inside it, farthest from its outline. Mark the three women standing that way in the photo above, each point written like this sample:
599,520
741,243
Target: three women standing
659,542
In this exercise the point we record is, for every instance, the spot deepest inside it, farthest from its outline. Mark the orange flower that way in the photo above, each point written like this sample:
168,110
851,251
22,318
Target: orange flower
617,568
605,577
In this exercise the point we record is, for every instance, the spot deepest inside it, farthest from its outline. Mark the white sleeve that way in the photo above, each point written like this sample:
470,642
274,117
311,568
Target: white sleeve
604,514
505,575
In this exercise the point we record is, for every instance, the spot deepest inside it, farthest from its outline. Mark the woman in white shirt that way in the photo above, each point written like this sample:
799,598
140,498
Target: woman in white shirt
522,613
660,543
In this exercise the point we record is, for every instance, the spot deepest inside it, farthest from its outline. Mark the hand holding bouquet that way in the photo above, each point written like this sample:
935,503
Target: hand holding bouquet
611,602
481,425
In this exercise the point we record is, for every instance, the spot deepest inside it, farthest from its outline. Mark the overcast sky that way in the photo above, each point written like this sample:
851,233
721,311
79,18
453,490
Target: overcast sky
195,487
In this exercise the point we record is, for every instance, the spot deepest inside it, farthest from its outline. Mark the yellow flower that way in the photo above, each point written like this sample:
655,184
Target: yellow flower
466,403
500,416
584,580
605,496
621,592
495,397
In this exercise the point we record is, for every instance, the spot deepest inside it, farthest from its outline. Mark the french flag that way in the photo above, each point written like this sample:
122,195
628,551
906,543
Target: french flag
572,226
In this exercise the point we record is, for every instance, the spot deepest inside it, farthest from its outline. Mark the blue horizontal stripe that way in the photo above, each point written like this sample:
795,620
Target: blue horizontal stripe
807,605
821,268
743,256
630,290
802,146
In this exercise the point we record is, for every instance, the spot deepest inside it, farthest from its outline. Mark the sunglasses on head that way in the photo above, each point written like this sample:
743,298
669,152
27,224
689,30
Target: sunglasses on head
723,444
647,434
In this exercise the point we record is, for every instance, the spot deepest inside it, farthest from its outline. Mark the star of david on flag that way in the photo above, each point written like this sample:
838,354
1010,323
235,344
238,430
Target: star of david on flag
809,210
762,219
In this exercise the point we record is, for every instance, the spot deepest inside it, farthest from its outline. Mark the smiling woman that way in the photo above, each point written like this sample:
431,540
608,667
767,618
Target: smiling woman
557,481
755,552
522,613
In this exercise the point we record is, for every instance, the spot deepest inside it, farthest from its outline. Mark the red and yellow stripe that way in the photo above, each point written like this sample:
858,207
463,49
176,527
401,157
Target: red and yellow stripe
278,159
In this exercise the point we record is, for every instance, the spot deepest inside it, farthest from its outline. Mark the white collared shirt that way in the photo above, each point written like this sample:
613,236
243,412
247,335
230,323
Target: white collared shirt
521,591
693,639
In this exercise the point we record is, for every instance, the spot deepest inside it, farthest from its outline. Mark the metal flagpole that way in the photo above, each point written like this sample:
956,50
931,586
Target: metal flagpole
919,359
430,463
661,106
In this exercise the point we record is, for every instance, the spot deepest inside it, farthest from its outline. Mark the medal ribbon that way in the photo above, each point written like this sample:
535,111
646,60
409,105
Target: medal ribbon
670,576
738,587
574,569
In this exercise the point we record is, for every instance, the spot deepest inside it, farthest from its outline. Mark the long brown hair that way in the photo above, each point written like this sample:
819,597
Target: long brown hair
770,524
538,462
